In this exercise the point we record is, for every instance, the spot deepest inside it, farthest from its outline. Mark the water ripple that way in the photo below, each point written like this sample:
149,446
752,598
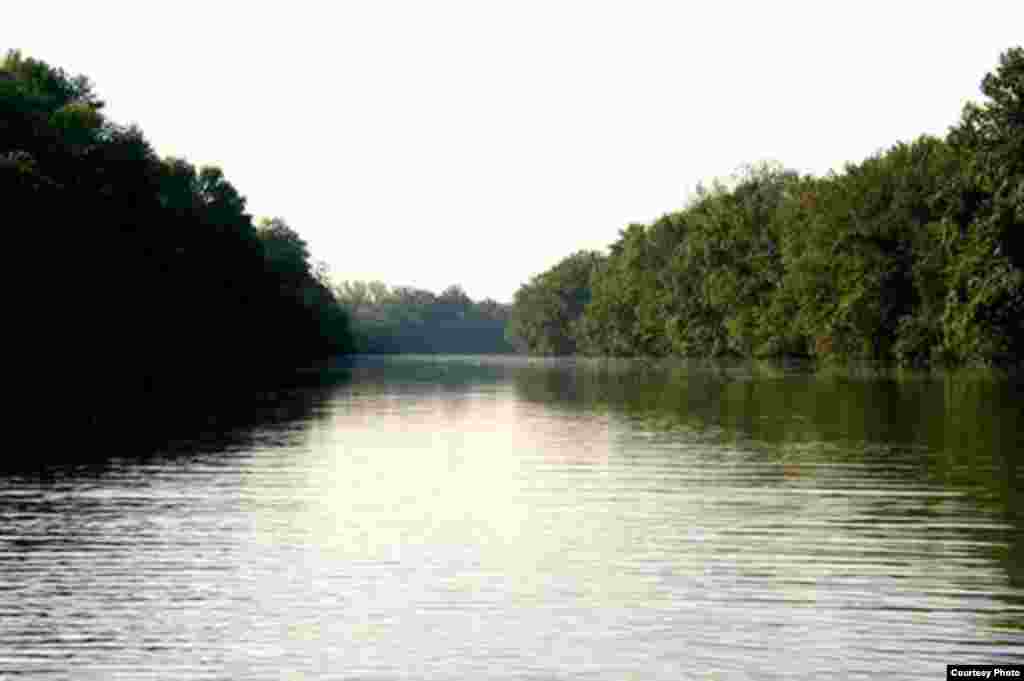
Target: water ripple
400,531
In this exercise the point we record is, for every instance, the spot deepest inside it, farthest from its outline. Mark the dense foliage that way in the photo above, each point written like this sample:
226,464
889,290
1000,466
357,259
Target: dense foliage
913,255
404,319
547,309
166,280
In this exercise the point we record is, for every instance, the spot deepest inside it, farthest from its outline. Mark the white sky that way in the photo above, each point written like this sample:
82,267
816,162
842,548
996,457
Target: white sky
478,143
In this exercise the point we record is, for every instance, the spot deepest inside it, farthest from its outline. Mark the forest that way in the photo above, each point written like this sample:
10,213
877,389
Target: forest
405,319
913,256
160,285
149,276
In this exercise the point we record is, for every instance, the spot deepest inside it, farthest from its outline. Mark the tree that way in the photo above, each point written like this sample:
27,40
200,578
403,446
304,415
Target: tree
408,319
286,252
984,227
546,312
178,285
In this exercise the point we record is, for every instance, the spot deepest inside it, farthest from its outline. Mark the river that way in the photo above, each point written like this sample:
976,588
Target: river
510,518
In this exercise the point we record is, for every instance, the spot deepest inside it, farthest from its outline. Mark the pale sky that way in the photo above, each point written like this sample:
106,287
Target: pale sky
478,143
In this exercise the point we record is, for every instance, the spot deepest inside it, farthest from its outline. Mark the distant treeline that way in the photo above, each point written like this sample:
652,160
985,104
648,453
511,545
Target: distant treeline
914,255
410,320
145,274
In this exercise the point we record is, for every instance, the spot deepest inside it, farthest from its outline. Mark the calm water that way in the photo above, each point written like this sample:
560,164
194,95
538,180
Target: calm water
471,518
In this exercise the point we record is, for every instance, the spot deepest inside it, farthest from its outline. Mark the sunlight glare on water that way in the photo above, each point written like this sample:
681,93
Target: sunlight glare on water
457,518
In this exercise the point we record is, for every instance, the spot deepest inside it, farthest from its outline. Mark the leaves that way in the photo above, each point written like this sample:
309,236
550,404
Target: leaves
547,310
913,255
172,281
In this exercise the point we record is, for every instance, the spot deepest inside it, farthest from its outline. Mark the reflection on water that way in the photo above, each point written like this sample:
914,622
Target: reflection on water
454,518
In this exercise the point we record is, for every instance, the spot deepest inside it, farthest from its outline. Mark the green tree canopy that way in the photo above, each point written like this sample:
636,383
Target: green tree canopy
913,255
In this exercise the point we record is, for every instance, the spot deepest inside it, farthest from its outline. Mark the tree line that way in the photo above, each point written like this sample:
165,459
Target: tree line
914,255
405,319
148,273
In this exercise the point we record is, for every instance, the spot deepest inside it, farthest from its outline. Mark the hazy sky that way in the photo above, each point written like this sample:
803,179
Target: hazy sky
438,142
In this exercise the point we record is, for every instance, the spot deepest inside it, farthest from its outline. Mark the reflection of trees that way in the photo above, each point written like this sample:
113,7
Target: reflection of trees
197,419
958,431
426,373
562,387
92,509
449,382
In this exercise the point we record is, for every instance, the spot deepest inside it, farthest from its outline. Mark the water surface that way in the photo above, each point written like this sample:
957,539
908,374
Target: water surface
500,518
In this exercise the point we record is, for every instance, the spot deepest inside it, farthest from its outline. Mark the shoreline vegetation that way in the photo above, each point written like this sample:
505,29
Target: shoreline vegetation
170,291
404,319
169,288
912,257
